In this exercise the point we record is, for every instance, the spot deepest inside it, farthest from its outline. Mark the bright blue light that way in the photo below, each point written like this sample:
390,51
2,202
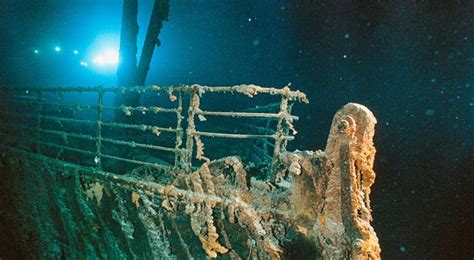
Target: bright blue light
84,64
106,58
75,52
103,54
57,49
36,51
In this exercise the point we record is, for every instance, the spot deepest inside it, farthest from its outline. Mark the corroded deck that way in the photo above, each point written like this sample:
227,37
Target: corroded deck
312,203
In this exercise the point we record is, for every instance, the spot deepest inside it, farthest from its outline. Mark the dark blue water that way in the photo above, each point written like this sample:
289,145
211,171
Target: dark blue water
410,62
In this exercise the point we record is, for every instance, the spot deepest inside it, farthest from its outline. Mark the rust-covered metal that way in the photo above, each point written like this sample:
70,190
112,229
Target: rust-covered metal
311,204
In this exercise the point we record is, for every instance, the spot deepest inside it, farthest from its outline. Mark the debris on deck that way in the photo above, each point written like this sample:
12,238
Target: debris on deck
304,203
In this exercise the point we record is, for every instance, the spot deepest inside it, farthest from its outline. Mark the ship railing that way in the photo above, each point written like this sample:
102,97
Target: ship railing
31,114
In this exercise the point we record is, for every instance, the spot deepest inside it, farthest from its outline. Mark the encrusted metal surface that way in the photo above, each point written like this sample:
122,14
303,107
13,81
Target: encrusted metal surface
313,203
14,97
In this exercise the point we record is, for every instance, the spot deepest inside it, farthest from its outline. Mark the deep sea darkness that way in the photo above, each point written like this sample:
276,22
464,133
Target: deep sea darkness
410,62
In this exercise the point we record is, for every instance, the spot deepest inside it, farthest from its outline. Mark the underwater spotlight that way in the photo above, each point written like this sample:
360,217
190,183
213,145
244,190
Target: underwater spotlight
98,60
57,49
36,51
75,52
103,54
107,58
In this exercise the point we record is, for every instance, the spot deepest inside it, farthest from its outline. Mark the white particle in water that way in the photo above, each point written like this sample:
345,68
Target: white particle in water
256,42
429,112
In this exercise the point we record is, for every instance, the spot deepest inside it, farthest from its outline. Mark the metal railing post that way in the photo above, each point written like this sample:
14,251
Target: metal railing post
278,136
38,122
287,129
193,102
179,132
100,102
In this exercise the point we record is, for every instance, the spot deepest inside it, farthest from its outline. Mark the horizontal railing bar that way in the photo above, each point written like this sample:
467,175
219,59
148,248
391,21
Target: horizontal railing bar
82,121
139,127
155,110
21,100
242,114
63,147
49,117
237,88
78,106
14,114
62,133
252,90
249,90
29,141
86,89
24,100
110,124
18,97
67,134
146,127
141,109
133,144
58,89
239,136
242,89
93,138
155,165
24,140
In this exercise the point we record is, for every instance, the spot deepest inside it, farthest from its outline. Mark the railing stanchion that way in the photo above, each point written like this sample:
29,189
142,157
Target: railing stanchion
287,129
278,136
38,121
100,102
179,133
193,102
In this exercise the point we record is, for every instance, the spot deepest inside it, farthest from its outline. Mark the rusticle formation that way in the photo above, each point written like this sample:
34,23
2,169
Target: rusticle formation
304,203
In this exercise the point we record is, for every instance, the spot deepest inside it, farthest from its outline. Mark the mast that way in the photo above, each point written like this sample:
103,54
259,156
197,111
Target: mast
158,16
